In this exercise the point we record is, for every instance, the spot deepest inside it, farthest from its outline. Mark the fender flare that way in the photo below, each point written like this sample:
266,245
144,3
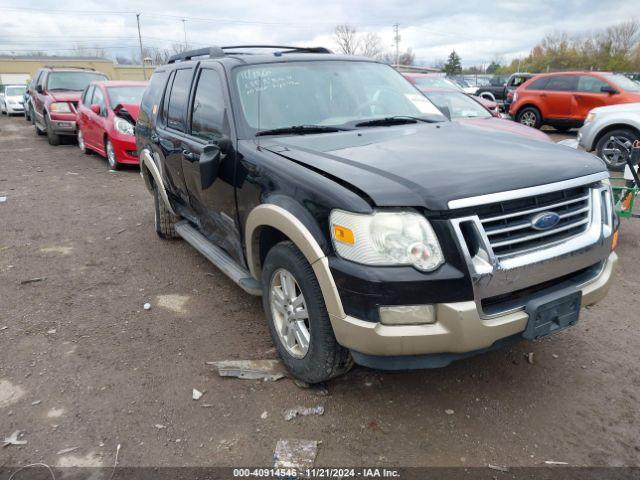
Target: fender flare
147,163
271,215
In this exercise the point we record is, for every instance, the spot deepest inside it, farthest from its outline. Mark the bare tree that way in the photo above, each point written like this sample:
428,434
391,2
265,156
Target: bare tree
622,37
371,46
347,39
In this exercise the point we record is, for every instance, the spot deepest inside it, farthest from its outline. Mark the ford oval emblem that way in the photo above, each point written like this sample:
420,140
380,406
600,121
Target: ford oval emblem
545,220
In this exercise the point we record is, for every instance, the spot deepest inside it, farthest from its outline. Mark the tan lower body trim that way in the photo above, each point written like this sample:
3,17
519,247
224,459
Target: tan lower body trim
459,327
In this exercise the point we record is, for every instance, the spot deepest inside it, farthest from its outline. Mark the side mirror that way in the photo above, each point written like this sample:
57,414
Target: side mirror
95,108
39,89
608,89
209,165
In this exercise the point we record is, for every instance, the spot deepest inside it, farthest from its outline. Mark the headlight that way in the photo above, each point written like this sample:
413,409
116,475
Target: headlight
386,238
60,107
123,126
590,118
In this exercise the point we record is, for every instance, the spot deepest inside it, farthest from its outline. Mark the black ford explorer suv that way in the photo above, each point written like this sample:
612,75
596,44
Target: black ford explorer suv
375,230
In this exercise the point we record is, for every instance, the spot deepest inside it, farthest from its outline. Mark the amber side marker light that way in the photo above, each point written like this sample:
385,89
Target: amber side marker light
614,240
343,234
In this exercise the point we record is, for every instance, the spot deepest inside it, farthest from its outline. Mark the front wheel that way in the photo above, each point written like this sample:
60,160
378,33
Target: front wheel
111,155
530,117
297,317
52,137
615,147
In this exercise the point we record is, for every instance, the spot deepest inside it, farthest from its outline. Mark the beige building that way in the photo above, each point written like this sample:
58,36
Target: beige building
29,66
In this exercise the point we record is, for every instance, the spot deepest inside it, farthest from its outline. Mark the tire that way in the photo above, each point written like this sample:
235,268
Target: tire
53,138
112,159
615,146
81,145
164,220
530,117
323,358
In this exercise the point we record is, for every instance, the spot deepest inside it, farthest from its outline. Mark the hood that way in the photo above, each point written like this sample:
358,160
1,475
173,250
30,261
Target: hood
427,165
65,96
503,125
128,111
621,107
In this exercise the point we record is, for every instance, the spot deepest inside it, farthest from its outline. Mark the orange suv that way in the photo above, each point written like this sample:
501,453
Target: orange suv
564,99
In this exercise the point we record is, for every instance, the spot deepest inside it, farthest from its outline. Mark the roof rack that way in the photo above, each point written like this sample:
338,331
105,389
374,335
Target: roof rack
217,52
71,67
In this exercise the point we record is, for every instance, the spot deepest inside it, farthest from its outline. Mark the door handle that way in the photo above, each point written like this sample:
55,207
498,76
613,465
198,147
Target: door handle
578,97
155,138
543,94
189,155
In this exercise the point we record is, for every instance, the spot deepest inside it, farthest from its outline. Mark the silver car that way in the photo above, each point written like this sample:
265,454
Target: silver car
611,131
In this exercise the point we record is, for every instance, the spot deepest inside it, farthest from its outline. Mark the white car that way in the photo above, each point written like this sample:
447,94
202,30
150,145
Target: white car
12,99
611,131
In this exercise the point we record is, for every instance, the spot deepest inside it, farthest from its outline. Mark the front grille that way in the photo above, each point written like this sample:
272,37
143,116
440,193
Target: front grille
509,228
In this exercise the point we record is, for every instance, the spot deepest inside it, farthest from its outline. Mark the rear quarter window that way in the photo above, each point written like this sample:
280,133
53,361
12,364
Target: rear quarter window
539,84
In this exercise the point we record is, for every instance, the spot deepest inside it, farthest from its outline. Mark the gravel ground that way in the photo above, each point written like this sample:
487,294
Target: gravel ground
82,364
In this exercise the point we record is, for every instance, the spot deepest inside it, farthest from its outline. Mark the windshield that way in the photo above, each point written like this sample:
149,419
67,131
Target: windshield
624,83
131,94
436,82
74,81
14,91
458,104
328,93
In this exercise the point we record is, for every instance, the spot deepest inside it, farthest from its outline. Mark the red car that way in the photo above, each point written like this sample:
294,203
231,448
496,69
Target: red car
439,81
54,98
107,113
564,99
467,110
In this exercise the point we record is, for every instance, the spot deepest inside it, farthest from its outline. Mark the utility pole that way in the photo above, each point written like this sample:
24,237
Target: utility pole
184,28
396,38
144,71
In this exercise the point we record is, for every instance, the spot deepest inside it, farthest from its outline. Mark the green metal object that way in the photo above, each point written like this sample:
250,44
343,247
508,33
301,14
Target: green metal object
624,198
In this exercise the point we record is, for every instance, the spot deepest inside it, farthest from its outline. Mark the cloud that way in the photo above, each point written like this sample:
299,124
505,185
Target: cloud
478,31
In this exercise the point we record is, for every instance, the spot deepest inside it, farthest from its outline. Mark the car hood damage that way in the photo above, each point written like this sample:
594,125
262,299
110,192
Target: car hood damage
427,165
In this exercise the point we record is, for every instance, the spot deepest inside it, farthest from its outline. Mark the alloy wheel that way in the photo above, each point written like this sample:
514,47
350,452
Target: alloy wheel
111,155
81,141
616,150
528,119
290,314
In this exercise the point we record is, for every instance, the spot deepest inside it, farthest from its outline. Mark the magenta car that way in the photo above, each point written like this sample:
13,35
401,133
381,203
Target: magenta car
464,109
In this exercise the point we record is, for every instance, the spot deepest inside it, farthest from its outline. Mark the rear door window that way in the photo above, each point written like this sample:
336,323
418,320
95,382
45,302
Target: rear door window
562,83
590,84
178,100
538,84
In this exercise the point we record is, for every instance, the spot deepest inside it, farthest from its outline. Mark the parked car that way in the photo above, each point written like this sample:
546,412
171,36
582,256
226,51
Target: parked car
564,99
611,132
439,81
375,230
465,109
499,89
54,98
107,113
12,99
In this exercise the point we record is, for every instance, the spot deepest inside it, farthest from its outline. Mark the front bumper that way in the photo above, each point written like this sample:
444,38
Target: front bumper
63,123
459,329
14,109
125,148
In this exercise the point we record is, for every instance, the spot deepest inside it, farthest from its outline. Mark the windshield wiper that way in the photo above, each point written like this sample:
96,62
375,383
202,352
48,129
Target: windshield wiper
395,120
62,89
300,130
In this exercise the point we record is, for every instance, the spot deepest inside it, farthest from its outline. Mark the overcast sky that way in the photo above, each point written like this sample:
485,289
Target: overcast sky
478,30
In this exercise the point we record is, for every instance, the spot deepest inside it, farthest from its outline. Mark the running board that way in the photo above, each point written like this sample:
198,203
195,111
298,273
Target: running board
219,258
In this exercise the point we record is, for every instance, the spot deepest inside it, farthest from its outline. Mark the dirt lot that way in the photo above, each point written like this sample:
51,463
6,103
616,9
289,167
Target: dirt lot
82,364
